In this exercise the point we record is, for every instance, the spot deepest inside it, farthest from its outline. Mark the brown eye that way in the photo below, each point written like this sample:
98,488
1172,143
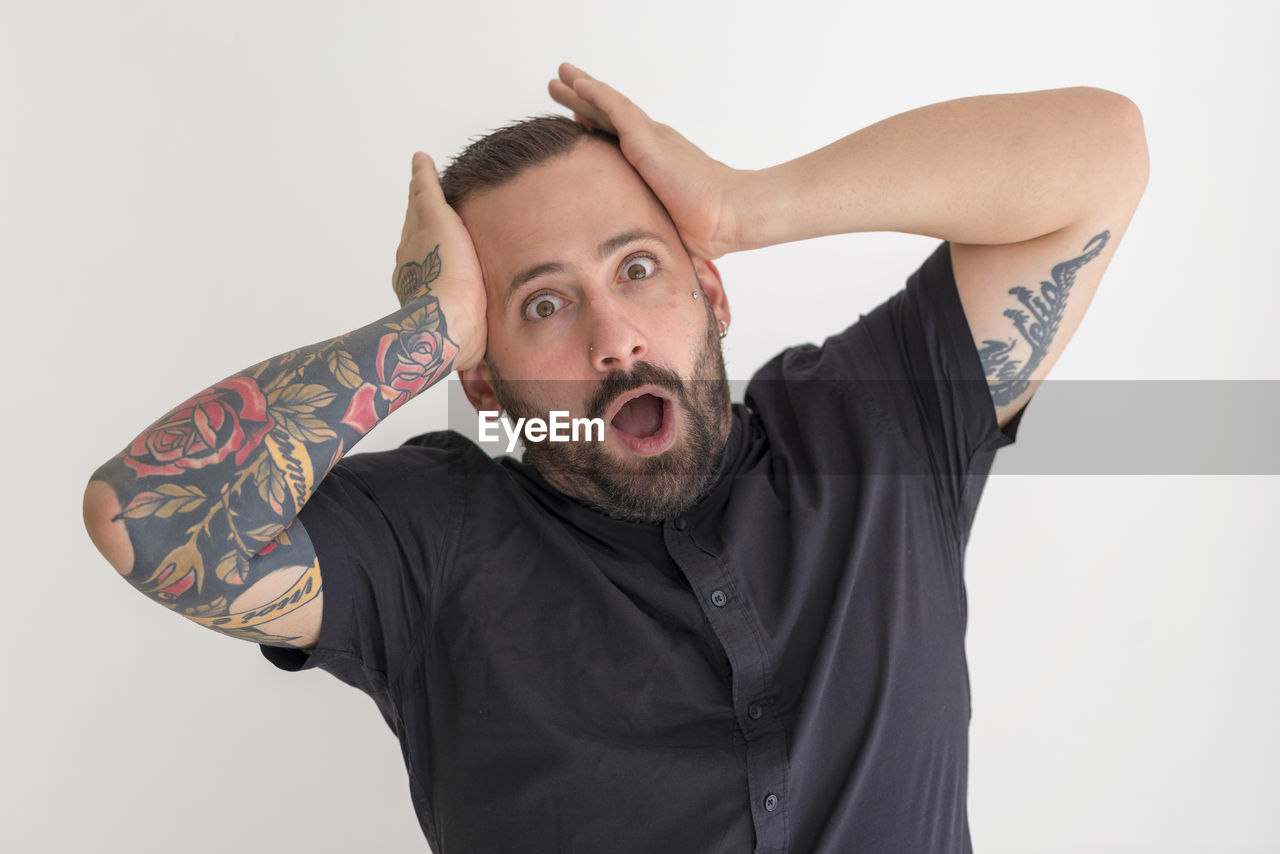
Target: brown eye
543,306
640,267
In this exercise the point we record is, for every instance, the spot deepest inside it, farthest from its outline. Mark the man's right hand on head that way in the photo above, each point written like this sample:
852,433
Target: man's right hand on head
436,257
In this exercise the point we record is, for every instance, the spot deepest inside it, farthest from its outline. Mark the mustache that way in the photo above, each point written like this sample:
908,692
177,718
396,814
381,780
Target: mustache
641,374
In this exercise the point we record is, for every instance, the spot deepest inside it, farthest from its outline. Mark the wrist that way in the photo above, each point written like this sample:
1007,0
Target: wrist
759,210
464,325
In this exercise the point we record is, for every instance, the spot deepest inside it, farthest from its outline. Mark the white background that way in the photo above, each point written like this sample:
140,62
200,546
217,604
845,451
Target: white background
188,188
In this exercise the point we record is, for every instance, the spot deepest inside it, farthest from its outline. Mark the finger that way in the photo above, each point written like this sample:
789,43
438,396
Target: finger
569,73
622,113
603,100
425,180
424,194
582,111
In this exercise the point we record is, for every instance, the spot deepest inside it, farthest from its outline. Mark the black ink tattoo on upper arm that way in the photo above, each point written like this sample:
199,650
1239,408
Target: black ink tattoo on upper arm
1037,323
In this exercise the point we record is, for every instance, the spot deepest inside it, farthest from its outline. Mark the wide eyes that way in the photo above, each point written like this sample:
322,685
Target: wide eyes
546,304
639,267
542,306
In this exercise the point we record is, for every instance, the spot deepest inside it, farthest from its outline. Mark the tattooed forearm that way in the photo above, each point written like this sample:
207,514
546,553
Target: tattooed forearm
206,493
1037,323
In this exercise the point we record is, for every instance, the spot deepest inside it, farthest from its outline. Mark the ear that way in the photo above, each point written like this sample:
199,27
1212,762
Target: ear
478,386
713,287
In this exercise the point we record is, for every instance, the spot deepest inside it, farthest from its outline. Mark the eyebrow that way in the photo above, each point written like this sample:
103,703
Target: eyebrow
603,251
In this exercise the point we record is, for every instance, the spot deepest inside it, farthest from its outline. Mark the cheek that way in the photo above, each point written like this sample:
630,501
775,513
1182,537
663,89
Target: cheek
693,322
551,380
545,375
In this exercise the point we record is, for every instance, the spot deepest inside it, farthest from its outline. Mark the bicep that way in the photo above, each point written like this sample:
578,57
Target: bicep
1023,301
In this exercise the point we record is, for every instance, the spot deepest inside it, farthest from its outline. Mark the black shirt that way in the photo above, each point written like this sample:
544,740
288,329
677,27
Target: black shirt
781,668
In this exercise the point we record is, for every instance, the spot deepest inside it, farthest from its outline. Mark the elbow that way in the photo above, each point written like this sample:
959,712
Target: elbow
101,510
1135,131
1116,126
1130,138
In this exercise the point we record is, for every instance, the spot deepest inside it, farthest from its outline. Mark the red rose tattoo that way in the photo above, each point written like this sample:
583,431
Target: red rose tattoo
408,361
410,358
229,418
206,493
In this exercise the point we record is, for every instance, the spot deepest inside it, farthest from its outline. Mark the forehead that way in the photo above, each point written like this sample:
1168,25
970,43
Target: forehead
560,211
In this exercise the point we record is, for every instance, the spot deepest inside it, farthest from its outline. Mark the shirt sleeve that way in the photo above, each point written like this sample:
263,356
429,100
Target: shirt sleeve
379,525
901,391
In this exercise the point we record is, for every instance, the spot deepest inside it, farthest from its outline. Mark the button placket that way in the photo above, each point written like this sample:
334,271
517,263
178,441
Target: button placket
736,627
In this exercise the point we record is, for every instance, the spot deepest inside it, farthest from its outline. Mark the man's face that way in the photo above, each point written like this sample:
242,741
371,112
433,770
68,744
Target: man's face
591,310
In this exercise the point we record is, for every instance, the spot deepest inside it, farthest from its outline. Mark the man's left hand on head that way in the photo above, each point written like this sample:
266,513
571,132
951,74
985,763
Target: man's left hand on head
699,192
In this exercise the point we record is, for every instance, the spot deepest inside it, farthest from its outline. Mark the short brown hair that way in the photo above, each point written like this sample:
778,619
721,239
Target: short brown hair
501,155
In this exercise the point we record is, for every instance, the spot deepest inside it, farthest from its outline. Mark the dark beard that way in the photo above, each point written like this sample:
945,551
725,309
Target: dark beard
649,489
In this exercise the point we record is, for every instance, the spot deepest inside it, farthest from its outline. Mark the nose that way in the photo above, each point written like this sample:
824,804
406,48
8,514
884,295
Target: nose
615,342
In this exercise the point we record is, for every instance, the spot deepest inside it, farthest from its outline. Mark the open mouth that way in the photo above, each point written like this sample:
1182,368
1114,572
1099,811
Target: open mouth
644,420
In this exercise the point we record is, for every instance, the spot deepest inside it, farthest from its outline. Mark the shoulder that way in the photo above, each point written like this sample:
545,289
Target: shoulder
424,479
437,453
902,384
890,340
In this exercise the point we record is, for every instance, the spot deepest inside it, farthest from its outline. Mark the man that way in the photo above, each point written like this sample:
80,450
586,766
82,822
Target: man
721,628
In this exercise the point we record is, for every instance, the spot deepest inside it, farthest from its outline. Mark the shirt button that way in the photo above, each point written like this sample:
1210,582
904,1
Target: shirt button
718,598
771,802
680,523
755,712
